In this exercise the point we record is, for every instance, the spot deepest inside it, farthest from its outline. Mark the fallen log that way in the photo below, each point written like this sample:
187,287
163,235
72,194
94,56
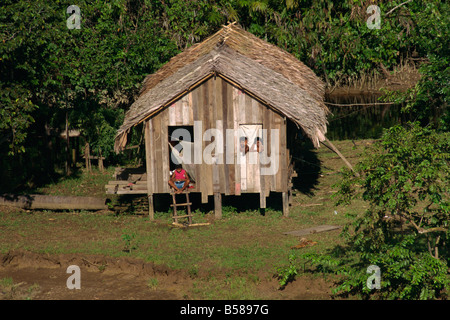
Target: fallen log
38,201
176,224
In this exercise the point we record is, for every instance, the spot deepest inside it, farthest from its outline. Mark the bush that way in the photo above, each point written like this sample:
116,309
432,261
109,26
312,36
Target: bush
287,273
405,231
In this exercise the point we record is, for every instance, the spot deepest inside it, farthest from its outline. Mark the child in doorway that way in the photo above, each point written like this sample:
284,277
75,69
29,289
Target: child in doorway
179,179
244,145
258,145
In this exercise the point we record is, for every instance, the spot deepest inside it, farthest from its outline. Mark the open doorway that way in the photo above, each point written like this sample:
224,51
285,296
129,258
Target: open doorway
181,139
251,144
181,150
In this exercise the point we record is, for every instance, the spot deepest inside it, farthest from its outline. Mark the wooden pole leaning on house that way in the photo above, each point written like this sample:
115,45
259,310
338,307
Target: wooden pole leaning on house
335,150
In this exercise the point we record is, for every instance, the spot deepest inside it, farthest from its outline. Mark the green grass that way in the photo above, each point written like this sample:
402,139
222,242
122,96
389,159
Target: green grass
80,183
244,245
152,283
241,242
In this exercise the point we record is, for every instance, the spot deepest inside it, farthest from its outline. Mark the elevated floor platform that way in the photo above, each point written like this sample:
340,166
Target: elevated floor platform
130,181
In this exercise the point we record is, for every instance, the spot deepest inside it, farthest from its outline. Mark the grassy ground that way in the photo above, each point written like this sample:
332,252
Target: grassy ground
228,259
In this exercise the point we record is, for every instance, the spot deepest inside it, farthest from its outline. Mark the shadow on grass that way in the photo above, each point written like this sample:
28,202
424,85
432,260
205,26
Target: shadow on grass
308,168
242,203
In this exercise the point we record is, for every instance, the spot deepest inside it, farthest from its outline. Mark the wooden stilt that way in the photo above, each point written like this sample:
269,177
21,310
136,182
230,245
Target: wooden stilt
262,200
149,169
218,205
285,198
151,210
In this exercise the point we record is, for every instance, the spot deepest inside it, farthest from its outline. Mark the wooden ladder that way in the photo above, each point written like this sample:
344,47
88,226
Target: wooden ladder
187,204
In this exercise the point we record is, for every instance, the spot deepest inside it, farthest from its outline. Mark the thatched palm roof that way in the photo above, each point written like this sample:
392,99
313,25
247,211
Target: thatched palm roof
270,74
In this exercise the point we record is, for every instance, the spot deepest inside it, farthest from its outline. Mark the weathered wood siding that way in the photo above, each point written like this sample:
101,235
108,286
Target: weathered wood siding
221,105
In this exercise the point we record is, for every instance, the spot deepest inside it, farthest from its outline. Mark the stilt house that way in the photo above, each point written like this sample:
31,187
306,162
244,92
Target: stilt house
233,87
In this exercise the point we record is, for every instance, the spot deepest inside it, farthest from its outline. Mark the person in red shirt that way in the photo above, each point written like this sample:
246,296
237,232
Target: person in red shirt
179,179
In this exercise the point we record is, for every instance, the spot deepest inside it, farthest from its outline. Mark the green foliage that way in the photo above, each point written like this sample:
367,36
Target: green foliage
406,185
411,166
405,273
404,178
323,263
94,73
229,211
16,117
91,74
286,274
129,241
430,37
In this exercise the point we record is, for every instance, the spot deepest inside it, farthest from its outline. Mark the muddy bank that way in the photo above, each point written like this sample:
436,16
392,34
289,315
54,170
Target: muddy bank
39,276
44,277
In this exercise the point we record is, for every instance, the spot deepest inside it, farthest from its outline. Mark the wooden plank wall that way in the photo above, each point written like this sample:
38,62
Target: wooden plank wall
217,104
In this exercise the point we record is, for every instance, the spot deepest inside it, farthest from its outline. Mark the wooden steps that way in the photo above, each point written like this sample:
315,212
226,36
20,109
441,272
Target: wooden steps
181,204
187,215
128,181
126,187
188,204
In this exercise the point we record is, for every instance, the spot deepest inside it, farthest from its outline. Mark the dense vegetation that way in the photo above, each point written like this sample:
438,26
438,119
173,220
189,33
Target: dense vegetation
52,74
55,76
405,230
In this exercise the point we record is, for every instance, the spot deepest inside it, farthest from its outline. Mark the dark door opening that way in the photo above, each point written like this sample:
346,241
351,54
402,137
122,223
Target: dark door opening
181,139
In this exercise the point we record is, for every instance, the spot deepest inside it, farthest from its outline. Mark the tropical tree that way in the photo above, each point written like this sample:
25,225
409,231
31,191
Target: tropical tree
405,231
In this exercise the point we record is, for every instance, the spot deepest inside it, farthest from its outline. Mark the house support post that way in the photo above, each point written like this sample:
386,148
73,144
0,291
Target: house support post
148,135
285,198
151,210
217,205
262,202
